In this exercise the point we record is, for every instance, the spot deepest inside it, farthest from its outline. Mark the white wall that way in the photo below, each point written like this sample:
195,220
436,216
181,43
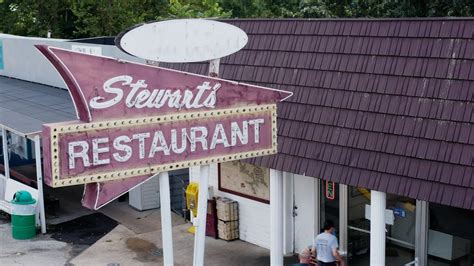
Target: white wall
23,61
254,216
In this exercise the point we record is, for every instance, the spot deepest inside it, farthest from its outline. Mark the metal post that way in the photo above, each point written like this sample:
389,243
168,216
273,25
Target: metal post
165,208
6,163
200,221
200,237
421,232
214,67
343,206
377,228
166,227
276,217
39,179
317,206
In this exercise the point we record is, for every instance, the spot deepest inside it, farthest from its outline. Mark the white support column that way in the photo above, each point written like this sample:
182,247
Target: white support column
39,179
200,237
288,219
276,217
421,232
377,228
203,180
343,207
6,163
166,227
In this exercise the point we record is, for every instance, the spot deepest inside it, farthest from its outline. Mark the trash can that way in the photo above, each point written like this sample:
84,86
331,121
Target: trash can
23,215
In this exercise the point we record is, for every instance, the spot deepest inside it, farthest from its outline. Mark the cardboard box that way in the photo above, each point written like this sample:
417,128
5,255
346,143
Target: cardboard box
228,230
227,209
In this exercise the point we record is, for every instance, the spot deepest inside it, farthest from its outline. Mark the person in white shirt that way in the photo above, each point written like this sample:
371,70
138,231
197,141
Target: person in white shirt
325,246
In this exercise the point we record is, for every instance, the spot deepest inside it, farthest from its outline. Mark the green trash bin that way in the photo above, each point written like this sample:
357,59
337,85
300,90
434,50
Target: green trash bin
23,215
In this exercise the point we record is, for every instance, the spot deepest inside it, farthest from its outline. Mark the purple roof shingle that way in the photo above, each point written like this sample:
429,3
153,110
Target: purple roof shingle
387,104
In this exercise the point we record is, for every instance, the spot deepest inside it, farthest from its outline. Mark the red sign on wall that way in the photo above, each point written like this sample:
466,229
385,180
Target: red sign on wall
137,120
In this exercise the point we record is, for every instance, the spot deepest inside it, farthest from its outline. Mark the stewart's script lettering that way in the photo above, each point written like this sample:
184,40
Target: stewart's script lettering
139,96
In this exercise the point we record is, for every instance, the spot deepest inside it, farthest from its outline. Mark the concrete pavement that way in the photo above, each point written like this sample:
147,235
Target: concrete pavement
125,247
41,250
135,241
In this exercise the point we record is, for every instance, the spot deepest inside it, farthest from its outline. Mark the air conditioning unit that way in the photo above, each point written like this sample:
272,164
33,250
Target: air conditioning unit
145,196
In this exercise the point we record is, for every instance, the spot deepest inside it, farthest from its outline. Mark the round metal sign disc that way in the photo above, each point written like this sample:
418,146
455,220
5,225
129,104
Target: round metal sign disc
182,40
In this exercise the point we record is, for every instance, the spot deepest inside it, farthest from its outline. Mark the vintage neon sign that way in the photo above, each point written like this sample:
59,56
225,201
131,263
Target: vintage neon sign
139,96
330,190
137,120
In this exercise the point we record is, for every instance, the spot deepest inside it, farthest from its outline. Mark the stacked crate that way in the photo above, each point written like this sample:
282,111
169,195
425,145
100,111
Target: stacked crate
228,218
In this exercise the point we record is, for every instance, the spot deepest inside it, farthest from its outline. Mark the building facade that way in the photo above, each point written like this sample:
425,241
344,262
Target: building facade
378,106
378,135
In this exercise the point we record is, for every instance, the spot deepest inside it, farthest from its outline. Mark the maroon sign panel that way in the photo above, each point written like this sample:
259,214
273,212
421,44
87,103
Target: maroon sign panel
106,88
136,120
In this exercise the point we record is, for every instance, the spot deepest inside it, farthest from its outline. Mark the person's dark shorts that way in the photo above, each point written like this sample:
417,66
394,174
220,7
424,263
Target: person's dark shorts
320,263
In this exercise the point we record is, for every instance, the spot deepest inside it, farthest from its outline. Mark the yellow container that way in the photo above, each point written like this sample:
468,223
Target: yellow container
192,192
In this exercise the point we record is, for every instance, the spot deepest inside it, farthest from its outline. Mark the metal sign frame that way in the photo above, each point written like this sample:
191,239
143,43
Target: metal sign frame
57,130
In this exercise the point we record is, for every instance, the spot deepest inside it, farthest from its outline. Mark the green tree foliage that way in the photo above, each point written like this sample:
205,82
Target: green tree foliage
29,17
108,18
89,18
195,9
387,8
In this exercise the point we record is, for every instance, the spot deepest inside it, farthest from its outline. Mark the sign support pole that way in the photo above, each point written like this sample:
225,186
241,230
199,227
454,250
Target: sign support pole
6,163
39,178
204,171
200,237
165,209
166,227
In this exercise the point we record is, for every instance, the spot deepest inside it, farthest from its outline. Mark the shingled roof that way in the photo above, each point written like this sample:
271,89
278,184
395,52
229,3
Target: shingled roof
381,104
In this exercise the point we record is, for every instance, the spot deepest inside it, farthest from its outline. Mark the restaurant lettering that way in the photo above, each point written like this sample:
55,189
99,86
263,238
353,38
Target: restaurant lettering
149,145
140,96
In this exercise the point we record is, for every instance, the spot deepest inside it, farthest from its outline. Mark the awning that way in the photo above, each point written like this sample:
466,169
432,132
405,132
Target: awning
26,106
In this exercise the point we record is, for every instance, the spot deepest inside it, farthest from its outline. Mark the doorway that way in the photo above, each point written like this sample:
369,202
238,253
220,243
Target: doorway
305,211
400,232
330,204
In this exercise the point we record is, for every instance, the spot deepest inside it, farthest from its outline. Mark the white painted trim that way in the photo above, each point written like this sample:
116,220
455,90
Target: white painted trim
6,163
317,205
39,179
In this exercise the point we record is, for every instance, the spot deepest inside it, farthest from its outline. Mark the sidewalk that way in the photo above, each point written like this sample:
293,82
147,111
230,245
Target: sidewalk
41,250
124,247
137,241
